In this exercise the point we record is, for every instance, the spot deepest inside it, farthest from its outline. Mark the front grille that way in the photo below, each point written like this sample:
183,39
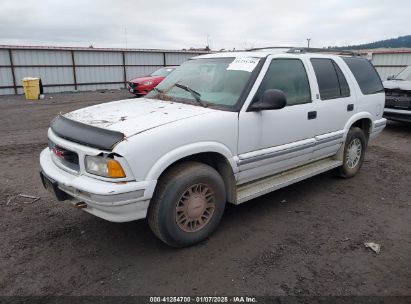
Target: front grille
133,85
398,99
65,157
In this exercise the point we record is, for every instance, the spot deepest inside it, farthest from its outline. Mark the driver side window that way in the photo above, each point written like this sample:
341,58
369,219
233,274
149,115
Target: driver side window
289,76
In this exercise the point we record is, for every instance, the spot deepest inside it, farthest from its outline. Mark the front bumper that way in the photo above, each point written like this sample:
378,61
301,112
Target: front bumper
115,202
139,89
398,115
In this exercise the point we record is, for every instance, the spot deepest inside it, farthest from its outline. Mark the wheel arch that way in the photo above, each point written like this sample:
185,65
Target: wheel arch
362,120
215,155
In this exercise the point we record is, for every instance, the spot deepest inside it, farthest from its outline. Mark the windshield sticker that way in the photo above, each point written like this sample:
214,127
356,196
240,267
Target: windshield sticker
243,64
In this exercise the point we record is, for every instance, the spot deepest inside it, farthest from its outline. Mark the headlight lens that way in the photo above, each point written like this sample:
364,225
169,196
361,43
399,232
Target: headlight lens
146,83
104,166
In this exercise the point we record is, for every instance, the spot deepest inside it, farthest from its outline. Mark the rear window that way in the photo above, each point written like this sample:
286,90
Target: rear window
365,74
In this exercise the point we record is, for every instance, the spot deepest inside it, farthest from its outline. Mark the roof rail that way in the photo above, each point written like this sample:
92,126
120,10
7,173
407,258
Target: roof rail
269,47
327,51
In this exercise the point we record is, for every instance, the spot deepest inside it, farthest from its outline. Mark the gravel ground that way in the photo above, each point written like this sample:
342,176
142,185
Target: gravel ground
306,239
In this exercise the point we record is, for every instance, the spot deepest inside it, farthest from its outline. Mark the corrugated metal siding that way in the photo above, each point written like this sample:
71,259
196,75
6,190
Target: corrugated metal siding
102,66
57,75
95,58
99,74
41,57
4,57
177,58
48,75
388,64
56,89
392,59
144,58
6,78
101,87
6,91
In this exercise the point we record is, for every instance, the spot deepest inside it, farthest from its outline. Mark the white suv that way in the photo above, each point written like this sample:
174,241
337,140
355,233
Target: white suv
224,127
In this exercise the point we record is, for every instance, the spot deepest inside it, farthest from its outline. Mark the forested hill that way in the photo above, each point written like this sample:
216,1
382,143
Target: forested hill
400,42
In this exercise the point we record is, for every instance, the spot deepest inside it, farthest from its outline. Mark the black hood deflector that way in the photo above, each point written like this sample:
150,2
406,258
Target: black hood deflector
84,134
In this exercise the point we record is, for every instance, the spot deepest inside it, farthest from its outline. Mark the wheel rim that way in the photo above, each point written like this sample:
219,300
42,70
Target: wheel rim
195,208
354,151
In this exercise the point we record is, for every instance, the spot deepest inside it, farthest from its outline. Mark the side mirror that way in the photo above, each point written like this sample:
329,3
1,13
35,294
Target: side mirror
271,100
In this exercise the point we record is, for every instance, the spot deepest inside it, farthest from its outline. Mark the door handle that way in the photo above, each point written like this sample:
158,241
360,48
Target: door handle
312,115
350,107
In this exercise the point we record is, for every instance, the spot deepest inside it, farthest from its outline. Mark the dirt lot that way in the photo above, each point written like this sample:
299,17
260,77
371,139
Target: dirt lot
306,239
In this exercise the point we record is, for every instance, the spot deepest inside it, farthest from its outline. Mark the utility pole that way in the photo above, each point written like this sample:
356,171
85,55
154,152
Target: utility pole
308,42
125,35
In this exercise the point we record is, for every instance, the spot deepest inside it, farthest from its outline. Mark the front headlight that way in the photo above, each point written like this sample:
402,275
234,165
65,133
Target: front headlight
146,83
104,166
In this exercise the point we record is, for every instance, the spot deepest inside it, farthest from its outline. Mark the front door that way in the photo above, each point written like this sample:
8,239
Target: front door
272,141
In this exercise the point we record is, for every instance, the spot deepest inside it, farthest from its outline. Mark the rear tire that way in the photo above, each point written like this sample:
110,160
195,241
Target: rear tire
354,151
187,205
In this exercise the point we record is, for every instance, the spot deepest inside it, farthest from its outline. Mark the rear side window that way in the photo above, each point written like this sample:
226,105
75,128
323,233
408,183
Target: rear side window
289,76
331,81
365,74
344,88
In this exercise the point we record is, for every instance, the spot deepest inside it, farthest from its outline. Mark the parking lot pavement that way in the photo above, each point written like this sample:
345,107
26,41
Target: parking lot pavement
307,239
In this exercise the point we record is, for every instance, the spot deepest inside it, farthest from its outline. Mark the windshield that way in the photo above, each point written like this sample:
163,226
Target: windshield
217,81
162,72
404,74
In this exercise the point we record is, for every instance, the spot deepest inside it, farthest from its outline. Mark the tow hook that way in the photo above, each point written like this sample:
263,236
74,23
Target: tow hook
80,205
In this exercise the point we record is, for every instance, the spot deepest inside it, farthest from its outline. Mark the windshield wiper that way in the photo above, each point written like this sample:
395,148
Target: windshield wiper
195,94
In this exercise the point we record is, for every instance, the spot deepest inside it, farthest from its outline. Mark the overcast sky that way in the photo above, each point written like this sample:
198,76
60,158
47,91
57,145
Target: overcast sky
187,23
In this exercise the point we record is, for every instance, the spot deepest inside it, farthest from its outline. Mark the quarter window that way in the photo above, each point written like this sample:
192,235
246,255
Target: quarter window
365,74
289,76
331,81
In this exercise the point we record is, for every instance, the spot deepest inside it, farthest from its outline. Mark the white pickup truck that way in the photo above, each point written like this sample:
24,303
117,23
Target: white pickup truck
225,127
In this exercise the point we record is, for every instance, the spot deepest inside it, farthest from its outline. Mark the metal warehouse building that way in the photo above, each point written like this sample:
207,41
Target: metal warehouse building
69,69
389,61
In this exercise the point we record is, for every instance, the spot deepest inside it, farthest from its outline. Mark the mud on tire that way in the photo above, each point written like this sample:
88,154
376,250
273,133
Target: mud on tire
354,151
187,205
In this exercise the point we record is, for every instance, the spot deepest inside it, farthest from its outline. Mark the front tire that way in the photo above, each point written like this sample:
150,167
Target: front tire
187,205
354,151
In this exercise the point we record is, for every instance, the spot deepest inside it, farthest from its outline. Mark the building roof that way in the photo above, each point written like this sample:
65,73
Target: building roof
69,48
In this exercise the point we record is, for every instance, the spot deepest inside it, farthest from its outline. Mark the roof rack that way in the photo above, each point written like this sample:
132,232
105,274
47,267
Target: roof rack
269,47
327,51
300,50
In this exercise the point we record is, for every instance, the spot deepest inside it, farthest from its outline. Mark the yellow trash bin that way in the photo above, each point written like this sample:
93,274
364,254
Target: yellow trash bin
32,87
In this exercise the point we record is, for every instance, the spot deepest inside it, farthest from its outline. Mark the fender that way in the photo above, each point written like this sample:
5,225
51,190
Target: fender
354,118
201,147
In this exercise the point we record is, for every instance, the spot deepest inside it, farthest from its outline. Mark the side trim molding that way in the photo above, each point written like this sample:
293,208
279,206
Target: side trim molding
274,154
317,142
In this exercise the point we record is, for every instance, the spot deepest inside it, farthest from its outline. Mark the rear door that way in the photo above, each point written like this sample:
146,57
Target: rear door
335,104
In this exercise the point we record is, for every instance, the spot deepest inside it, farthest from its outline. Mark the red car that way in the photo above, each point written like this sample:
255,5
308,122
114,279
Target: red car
142,85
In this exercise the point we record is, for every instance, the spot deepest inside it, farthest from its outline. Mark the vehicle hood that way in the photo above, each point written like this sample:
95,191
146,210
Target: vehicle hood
147,78
132,116
404,85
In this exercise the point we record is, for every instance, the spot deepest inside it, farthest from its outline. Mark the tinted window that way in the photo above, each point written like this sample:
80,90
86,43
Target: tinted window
289,76
344,88
365,74
331,81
